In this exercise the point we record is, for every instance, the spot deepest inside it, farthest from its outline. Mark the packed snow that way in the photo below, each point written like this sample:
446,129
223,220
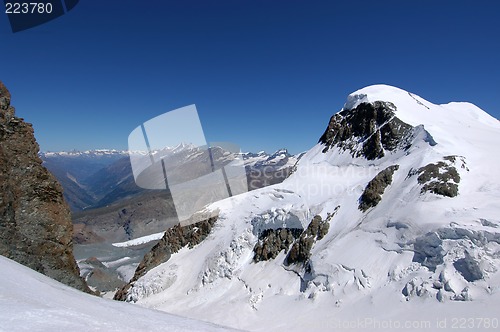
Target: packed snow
30,301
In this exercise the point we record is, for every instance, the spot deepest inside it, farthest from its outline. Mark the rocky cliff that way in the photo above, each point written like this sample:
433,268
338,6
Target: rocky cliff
35,223
369,130
174,240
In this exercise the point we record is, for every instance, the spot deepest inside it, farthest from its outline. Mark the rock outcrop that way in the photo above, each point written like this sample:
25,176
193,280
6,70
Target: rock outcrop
373,192
369,131
35,223
296,242
273,241
315,231
440,178
174,239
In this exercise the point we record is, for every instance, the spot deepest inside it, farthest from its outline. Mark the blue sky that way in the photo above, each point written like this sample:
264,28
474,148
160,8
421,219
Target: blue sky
263,74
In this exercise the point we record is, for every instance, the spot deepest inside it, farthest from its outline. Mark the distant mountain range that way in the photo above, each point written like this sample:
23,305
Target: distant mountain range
97,178
76,172
107,205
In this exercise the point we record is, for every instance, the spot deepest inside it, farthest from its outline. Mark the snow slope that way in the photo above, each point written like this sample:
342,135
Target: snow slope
417,260
30,301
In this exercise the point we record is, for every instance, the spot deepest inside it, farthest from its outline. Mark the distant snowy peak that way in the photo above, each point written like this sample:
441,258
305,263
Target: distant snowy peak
88,153
279,159
113,152
181,152
181,148
281,153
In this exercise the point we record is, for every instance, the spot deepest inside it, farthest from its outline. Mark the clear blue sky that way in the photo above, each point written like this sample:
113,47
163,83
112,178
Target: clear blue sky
263,74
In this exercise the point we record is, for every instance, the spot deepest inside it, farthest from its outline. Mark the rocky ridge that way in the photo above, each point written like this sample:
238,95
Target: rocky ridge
174,239
369,130
35,222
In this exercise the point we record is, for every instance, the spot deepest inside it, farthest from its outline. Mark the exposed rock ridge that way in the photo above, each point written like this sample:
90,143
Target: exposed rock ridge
315,231
369,130
273,241
35,222
296,242
441,178
373,192
174,239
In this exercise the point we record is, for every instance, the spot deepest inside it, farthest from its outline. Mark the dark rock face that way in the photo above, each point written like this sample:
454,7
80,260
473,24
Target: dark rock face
440,178
301,249
373,192
367,130
174,239
35,223
273,241
436,179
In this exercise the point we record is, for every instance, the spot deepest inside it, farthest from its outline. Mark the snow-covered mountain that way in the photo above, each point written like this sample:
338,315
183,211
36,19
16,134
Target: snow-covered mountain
281,158
31,301
390,221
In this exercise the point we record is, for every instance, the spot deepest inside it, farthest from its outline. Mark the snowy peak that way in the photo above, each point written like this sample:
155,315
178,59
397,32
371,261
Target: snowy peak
277,159
415,110
403,100
89,153
379,119
369,130
281,153
452,119
382,92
